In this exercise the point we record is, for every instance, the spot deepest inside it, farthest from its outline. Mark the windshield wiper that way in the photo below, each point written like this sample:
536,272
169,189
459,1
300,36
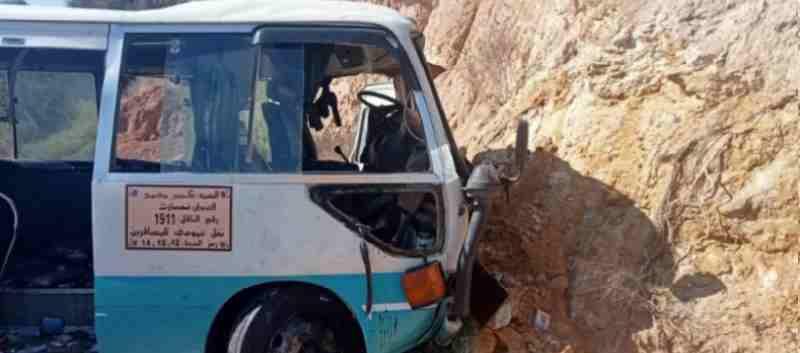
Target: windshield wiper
12,101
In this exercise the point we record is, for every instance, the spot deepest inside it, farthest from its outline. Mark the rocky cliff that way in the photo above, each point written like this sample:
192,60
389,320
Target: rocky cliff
661,207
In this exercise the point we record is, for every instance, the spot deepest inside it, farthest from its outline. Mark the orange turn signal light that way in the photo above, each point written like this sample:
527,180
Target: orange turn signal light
424,285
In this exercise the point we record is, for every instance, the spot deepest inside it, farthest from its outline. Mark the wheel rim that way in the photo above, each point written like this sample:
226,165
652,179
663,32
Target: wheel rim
302,336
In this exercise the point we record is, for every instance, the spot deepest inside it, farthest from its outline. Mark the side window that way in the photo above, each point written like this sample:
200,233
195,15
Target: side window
192,103
55,101
383,132
56,115
185,106
318,85
349,97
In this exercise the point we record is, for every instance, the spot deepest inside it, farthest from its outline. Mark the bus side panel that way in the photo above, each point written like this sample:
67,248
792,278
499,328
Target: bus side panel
174,314
165,300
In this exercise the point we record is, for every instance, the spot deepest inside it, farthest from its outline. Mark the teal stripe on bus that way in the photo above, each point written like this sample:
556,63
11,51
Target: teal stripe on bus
173,314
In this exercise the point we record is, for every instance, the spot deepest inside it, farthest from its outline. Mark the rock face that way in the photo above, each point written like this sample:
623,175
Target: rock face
661,208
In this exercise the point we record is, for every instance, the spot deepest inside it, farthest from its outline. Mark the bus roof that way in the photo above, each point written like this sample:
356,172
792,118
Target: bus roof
222,12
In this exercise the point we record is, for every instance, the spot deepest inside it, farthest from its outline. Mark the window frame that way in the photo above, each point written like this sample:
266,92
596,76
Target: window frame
125,40
96,69
319,197
104,177
111,90
372,35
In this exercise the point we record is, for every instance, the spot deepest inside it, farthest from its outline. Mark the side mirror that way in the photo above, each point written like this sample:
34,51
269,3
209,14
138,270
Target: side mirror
483,180
486,176
514,171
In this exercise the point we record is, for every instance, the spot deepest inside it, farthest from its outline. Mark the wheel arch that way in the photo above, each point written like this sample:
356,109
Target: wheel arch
227,315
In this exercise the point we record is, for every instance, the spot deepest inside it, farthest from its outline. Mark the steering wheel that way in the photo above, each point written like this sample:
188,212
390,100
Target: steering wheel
364,94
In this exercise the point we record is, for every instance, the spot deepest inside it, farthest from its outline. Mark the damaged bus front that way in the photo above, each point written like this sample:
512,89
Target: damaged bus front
234,199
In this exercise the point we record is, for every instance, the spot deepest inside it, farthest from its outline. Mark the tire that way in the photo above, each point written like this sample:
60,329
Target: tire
295,320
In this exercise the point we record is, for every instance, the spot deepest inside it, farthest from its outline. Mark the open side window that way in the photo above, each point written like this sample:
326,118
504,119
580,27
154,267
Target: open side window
400,219
377,129
316,79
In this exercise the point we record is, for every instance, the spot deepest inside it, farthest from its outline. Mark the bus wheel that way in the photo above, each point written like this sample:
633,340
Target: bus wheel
291,321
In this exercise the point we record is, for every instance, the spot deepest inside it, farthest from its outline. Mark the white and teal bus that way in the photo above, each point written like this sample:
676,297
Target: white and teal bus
181,161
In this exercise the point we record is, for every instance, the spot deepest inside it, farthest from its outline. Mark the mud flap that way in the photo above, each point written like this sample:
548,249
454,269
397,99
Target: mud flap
487,296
